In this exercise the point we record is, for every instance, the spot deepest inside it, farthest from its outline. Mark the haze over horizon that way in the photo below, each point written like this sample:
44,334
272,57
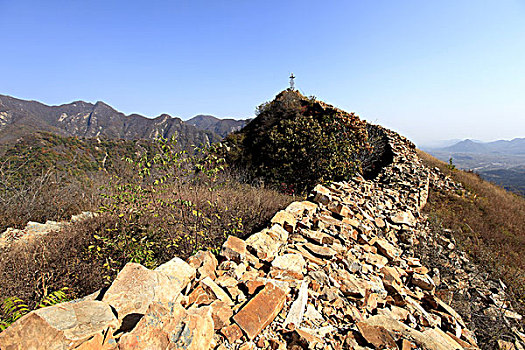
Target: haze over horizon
431,71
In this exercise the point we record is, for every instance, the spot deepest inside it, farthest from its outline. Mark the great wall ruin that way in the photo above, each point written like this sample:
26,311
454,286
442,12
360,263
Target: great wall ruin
337,271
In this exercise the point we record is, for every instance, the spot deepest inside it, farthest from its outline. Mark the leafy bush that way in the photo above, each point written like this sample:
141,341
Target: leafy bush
296,142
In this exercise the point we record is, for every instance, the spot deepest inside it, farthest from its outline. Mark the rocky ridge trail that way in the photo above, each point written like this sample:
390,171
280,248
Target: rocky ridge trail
338,271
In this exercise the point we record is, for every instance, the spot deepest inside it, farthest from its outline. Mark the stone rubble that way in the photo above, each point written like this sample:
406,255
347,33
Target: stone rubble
338,271
35,229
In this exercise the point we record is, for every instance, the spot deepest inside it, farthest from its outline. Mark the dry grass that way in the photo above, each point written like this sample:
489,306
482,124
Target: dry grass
489,225
160,205
64,259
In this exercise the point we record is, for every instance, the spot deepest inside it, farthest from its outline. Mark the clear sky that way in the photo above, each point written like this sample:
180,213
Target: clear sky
429,69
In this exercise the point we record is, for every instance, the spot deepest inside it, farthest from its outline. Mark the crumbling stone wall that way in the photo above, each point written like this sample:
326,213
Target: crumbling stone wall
337,271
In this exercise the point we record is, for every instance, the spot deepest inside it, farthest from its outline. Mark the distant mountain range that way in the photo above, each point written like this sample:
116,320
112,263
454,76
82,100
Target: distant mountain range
221,127
82,119
502,161
515,146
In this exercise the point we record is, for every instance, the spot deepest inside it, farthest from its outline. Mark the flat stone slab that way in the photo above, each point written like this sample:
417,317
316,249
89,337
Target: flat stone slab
62,326
136,287
261,310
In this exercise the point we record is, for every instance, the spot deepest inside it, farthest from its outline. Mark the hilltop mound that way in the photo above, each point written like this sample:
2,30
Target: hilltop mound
293,133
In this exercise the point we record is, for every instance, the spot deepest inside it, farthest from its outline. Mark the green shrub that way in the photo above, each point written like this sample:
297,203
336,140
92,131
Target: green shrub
296,142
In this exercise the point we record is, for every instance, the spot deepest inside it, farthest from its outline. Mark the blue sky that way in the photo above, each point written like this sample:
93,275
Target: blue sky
429,69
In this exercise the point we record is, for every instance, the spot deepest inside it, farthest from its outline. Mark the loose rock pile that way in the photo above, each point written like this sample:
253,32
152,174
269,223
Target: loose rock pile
35,229
338,271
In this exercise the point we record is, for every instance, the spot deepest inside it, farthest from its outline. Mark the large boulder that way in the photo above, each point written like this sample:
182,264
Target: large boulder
136,287
63,326
171,327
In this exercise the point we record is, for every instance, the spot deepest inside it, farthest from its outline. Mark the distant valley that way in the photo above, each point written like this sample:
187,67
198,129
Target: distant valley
502,161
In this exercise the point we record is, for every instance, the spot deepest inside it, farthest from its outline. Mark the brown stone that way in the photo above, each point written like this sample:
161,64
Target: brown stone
376,260
262,343
292,264
261,310
62,326
371,300
406,345
391,274
351,285
226,281
422,270
379,222
441,337
195,332
221,313
178,271
463,343
413,261
153,330
349,233
307,255
450,311
212,288
325,252
101,341
252,285
404,331
232,333
318,236
234,249
285,219
247,346
403,218
308,337
423,281
352,222
199,296
205,263
322,194
339,209
267,242
325,221
136,287
235,293
377,336
399,313
386,249
299,209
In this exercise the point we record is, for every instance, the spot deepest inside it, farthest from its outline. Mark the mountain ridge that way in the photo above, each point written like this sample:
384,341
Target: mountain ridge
84,119
514,146
221,127
501,161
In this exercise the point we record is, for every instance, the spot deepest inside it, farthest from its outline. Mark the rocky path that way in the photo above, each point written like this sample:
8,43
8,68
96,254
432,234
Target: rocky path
339,271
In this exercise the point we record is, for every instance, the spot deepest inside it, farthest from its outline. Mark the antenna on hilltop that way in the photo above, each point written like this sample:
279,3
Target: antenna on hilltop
292,82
